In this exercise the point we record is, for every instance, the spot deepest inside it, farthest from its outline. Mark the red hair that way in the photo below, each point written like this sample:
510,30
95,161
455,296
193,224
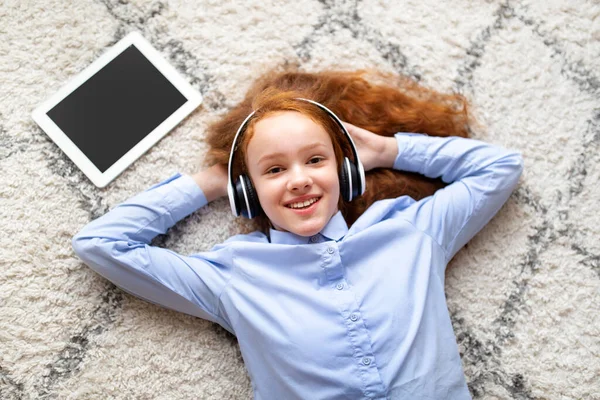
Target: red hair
380,103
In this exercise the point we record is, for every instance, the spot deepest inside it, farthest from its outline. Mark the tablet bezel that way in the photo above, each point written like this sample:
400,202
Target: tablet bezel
98,178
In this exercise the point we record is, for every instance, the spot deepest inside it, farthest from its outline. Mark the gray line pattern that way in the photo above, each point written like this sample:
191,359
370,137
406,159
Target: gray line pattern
130,15
89,196
591,260
132,18
6,143
9,388
591,141
476,50
11,145
576,71
529,266
485,356
72,355
342,14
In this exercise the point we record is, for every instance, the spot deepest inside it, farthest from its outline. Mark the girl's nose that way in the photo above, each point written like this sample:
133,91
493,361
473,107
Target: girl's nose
299,179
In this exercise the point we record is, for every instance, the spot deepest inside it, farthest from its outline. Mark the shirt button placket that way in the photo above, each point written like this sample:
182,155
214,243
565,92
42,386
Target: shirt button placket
333,267
360,342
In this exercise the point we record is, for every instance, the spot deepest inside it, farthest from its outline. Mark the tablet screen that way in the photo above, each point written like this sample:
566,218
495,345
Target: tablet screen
117,107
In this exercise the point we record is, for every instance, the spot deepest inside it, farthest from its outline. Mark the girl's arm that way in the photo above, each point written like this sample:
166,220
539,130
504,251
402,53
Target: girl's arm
482,175
117,246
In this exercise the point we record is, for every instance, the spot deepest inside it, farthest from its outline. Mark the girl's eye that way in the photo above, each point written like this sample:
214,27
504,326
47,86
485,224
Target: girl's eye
315,160
274,170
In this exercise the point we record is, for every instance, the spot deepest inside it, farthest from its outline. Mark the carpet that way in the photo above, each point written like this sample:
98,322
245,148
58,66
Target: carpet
524,294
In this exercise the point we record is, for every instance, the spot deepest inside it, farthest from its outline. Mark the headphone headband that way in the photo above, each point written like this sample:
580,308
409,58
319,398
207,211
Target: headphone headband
242,128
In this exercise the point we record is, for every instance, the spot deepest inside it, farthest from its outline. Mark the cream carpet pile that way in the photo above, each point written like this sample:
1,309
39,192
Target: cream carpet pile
524,295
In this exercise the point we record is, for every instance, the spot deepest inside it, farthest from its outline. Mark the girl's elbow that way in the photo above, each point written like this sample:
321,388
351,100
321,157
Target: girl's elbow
509,170
516,166
513,162
518,163
78,243
83,245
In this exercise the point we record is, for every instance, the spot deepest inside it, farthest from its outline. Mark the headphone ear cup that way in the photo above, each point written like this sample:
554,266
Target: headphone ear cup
350,185
239,198
345,181
252,205
355,181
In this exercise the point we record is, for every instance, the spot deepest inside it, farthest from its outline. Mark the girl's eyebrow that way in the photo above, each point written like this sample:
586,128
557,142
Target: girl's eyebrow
303,149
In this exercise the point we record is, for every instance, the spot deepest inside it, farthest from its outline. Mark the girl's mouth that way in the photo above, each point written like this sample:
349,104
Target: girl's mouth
306,207
303,204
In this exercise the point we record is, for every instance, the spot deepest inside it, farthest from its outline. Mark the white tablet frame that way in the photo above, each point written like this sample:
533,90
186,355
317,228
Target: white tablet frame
39,115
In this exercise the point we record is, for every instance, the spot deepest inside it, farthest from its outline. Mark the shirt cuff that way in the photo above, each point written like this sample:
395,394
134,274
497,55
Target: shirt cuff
404,142
183,195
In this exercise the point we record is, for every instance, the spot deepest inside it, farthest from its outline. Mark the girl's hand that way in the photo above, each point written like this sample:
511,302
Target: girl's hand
375,151
212,181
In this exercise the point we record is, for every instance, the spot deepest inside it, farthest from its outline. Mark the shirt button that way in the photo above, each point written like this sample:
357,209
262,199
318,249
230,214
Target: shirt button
354,317
366,361
340,286
313,239
330,250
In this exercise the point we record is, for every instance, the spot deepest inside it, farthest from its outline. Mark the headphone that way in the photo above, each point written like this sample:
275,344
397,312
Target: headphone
242,195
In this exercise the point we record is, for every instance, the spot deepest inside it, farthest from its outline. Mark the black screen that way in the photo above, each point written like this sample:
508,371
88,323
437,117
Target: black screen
116,108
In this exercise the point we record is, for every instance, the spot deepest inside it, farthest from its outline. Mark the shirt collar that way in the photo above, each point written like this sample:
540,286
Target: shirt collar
335,229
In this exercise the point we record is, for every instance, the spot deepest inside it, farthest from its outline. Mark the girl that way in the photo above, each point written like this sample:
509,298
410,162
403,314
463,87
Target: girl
334,295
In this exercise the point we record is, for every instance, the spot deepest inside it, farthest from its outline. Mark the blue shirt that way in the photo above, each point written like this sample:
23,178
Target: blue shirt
351,313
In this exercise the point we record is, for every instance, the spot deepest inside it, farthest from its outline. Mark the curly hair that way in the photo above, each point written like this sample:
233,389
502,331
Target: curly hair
379,102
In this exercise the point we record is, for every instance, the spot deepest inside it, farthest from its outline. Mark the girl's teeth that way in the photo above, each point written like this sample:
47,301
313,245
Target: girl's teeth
304,204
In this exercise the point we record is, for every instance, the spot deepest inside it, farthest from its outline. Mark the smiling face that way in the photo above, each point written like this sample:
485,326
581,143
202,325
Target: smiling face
292,165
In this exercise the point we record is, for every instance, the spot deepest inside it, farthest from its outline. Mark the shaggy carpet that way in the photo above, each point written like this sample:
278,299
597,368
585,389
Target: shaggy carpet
524,294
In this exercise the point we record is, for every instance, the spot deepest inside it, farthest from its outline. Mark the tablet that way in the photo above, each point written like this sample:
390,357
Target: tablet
112,112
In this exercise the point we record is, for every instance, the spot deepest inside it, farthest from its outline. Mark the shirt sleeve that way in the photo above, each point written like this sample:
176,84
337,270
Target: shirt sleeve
482,177
116,246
